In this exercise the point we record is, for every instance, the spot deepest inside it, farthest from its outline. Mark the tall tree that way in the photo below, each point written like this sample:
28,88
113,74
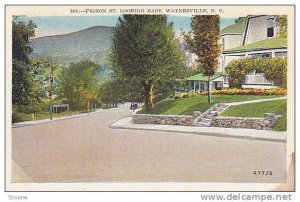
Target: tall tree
22,78
203,40
145,50
78,84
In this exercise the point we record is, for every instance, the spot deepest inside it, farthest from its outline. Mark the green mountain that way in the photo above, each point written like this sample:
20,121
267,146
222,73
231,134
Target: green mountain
89,44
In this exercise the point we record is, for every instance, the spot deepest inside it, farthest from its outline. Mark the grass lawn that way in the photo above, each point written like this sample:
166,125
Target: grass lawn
198,103
259,109
21,117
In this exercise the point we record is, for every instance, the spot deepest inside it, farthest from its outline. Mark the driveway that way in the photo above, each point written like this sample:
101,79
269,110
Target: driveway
85,149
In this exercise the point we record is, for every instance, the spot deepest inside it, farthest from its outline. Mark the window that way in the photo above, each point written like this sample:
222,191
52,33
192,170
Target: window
259,72
270,27
280,54
266,55
261,55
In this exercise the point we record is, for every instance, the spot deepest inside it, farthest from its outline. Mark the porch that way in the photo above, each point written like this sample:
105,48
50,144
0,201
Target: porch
199,82
253,80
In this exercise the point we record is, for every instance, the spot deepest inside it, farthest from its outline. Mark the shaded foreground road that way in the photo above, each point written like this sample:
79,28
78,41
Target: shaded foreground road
85,149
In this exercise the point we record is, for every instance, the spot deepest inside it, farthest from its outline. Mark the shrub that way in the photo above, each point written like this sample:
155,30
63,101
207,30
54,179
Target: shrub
185,95
178,96
274,69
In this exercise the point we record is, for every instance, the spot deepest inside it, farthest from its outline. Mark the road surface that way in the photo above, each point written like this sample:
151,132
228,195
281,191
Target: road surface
85,149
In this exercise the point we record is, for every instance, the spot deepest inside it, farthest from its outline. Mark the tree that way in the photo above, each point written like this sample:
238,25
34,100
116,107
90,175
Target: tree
203,40
78,84
43,69
22,33
145,50
23,82
282,22
116,89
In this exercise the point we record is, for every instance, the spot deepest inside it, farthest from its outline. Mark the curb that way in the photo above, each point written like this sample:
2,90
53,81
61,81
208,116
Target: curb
149,127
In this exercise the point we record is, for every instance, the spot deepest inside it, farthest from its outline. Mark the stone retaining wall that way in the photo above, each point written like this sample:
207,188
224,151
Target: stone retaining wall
252,123
226,122
181,120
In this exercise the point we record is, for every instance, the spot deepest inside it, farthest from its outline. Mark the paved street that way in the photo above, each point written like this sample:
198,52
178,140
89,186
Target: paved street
85,149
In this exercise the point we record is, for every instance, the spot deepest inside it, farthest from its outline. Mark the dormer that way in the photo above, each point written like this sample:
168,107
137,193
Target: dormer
259,27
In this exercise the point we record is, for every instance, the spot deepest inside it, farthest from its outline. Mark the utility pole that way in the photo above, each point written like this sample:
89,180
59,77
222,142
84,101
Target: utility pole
50,93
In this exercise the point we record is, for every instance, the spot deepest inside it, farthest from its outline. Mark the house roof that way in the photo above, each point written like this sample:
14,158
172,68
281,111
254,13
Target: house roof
201,77
260,45
236,28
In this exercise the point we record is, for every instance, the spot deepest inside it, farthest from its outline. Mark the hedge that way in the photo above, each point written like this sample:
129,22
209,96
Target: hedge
274,69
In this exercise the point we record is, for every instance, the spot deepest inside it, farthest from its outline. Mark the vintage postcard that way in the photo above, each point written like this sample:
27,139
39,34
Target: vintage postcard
150,98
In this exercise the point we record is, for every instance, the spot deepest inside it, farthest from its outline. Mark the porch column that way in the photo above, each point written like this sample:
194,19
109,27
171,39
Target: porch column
194,86
273,54
199,82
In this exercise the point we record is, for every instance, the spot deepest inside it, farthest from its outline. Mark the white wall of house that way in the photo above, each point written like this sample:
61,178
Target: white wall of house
229,41
220,64
265,86
257,29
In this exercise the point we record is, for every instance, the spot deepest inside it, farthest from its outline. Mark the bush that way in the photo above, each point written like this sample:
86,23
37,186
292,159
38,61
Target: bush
238,91
20,117
178,96
185,95
274,69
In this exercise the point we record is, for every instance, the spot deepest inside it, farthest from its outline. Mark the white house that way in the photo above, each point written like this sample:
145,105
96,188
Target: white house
252,36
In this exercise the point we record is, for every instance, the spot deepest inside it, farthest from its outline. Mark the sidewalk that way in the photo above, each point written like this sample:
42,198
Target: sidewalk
254,101
262,135
35,122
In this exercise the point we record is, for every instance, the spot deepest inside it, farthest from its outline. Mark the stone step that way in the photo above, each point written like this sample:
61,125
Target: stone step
213,112
201,124
223,108
208,116
204,120
218,109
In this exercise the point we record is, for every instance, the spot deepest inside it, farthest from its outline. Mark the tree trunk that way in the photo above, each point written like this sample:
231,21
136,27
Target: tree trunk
87,106
208,89
148,92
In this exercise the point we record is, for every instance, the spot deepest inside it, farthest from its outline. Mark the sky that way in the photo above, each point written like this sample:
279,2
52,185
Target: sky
56,25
